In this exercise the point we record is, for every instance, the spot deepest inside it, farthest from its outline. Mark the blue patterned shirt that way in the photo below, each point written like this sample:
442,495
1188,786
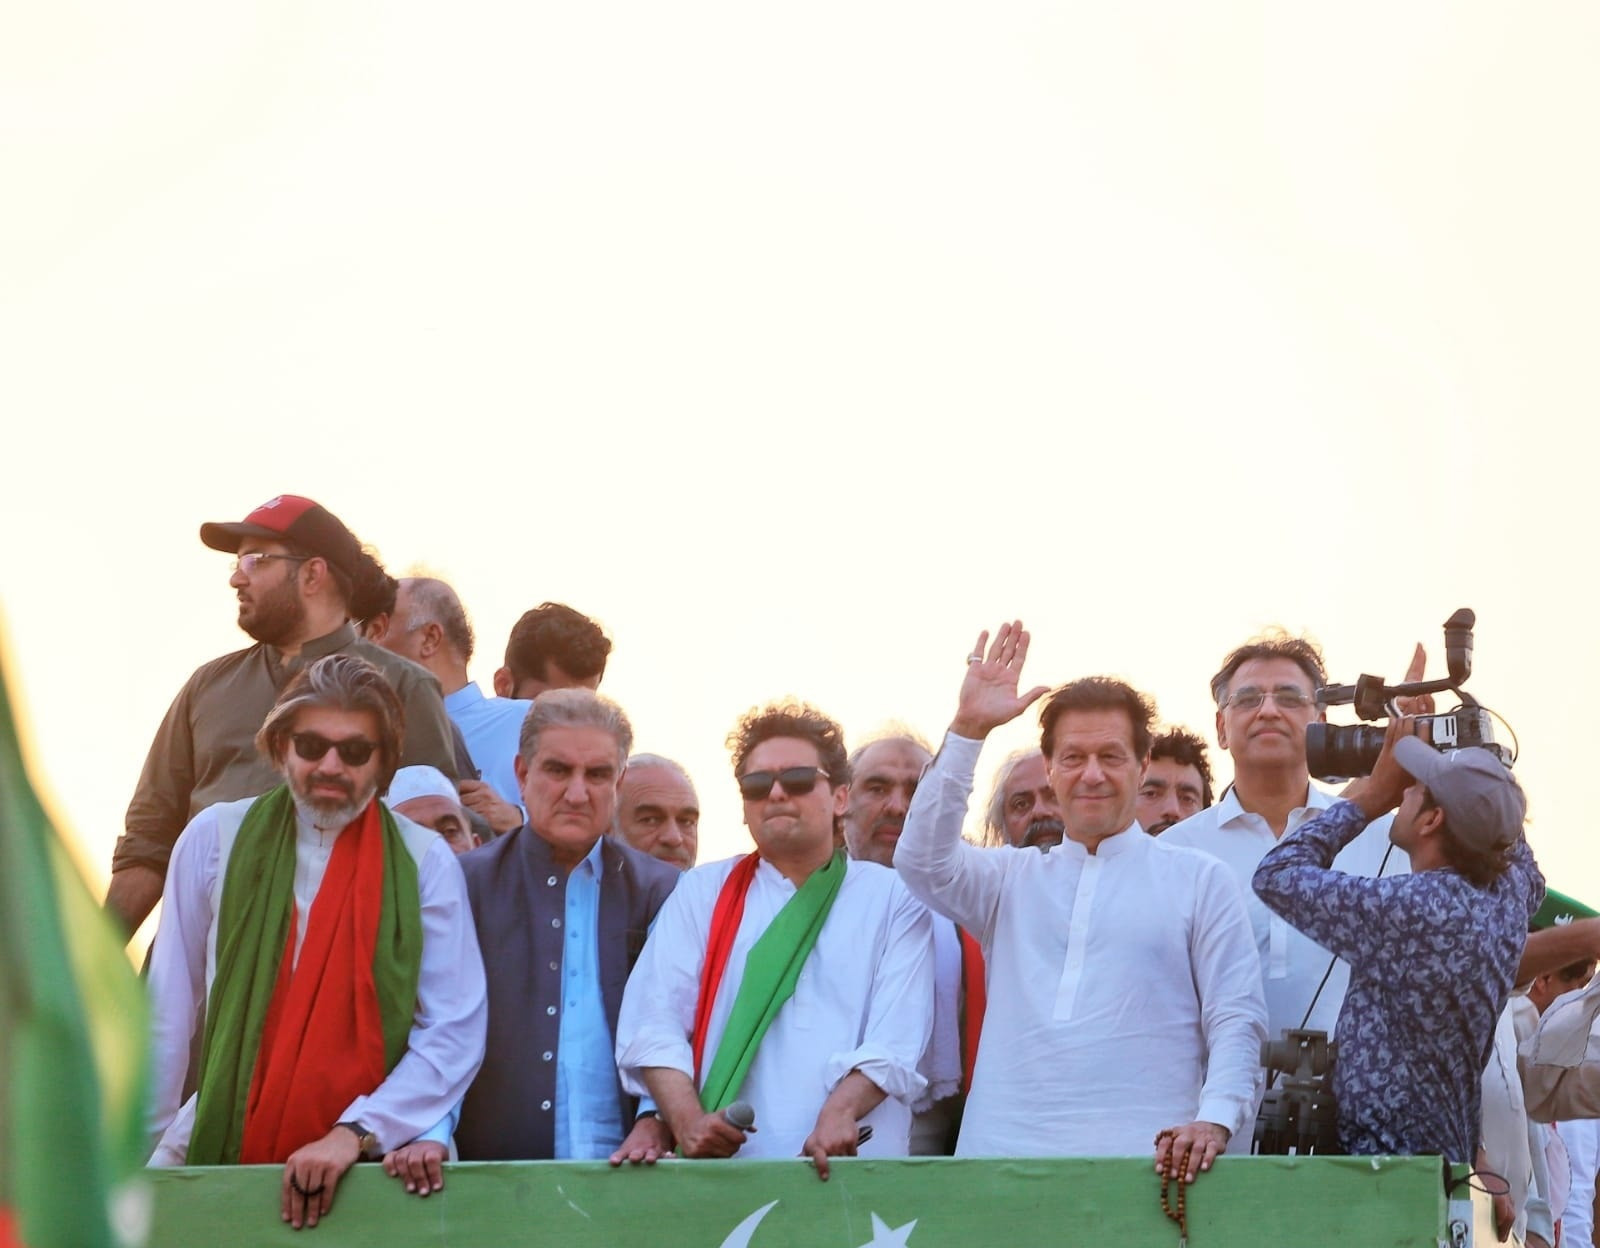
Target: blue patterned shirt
1432,959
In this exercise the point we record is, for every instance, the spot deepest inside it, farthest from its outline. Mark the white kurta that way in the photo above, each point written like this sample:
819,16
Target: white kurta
445,1047
864,1001
1124,987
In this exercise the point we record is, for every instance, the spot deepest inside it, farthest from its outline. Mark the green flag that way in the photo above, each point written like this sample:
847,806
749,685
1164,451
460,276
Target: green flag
73,1040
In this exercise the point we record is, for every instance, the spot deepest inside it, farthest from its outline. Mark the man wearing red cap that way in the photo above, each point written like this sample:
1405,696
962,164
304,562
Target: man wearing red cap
300,575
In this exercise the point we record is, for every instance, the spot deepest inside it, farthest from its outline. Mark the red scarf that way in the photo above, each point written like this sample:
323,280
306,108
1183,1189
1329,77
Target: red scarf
977,997
322,1043
725,919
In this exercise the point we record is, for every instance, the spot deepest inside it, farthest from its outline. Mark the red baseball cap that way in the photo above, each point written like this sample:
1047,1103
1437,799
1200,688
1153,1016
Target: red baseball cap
291,518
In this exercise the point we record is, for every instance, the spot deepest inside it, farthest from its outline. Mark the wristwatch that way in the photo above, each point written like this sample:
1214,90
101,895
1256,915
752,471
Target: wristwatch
364,1138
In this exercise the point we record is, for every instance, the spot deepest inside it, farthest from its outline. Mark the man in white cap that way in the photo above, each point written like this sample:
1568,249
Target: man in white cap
425,795
1432,955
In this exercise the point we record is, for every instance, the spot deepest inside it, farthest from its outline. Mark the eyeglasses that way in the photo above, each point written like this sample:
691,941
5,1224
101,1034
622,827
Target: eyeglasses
248,564
313,747
796,782
1286,697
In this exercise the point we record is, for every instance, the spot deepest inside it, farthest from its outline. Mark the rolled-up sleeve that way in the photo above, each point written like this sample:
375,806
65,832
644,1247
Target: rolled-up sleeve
159,808
445,1047
900,1015
955,879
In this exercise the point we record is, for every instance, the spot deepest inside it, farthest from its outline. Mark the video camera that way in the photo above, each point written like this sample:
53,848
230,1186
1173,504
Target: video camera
1337,751
1299,1115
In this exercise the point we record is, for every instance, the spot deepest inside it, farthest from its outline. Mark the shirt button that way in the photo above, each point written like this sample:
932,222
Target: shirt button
555,966
548,1055
549,1009
555,922
551,881
544,1105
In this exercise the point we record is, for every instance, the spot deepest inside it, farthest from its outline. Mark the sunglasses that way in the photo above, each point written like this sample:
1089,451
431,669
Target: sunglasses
796,782
313,747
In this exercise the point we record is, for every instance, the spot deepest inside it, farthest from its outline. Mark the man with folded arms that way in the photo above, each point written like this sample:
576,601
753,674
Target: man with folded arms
330,944
1074,1062
793,978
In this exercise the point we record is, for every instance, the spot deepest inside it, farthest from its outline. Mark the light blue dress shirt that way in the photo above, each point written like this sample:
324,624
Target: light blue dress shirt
588,1109
492,729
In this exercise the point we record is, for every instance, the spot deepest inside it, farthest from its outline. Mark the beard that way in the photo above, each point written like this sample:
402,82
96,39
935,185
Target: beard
328,814
1043,833
275,616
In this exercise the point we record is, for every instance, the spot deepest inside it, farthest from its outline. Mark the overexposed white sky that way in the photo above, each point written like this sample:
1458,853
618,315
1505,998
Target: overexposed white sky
797,344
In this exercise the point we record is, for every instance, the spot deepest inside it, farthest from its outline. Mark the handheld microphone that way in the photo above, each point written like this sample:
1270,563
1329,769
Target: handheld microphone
740,1114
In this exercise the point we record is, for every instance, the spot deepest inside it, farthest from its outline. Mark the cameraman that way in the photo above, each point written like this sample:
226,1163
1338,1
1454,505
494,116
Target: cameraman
1432,954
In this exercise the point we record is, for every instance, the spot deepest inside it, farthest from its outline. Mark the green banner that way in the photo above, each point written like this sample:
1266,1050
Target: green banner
914,1203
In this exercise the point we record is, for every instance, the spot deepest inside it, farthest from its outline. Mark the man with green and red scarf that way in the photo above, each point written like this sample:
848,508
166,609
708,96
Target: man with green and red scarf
328,944
794,979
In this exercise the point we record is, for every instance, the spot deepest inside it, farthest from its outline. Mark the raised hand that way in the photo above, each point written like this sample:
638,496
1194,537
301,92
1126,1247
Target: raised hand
989,694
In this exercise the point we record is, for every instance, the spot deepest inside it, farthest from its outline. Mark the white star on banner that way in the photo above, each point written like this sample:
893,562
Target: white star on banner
883,1237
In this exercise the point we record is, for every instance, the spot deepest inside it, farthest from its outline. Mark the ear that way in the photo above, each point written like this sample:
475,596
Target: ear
1222,731
1428,822
314,576
502,683
841,799
432,639
521,769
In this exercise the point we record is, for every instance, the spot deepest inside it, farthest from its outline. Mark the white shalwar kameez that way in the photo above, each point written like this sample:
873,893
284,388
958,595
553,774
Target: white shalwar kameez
1124,986
864,1001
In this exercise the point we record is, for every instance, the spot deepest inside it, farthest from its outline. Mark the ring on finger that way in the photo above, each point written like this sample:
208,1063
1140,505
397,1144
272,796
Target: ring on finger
974,658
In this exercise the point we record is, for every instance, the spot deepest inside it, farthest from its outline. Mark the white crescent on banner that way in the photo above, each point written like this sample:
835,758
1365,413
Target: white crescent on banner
740,1236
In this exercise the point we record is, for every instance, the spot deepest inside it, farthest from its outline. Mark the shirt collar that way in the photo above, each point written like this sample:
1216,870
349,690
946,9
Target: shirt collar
1128,841
1230,808
591,861
321,647
469,695
538,851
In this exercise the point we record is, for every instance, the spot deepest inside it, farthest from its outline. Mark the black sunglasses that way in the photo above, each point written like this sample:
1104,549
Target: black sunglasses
313,746
796,782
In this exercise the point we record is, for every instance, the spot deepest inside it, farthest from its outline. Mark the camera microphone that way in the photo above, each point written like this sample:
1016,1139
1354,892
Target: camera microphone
740,1114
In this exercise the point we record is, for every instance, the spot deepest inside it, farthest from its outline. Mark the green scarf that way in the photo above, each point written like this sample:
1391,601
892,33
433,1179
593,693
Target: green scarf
770,973
252,933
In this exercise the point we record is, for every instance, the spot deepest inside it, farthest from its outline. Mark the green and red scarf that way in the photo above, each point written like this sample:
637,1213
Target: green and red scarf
771,970
289,1044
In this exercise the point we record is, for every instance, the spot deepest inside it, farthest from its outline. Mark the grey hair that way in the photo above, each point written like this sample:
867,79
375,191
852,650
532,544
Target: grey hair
660,760
895,732
574,708
434,602
343,682
994,815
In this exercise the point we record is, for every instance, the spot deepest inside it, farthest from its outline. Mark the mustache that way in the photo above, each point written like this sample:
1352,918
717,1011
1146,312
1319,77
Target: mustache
889,823
1045,825
338,782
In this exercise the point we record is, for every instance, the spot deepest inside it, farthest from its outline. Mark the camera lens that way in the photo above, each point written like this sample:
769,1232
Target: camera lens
1338,751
